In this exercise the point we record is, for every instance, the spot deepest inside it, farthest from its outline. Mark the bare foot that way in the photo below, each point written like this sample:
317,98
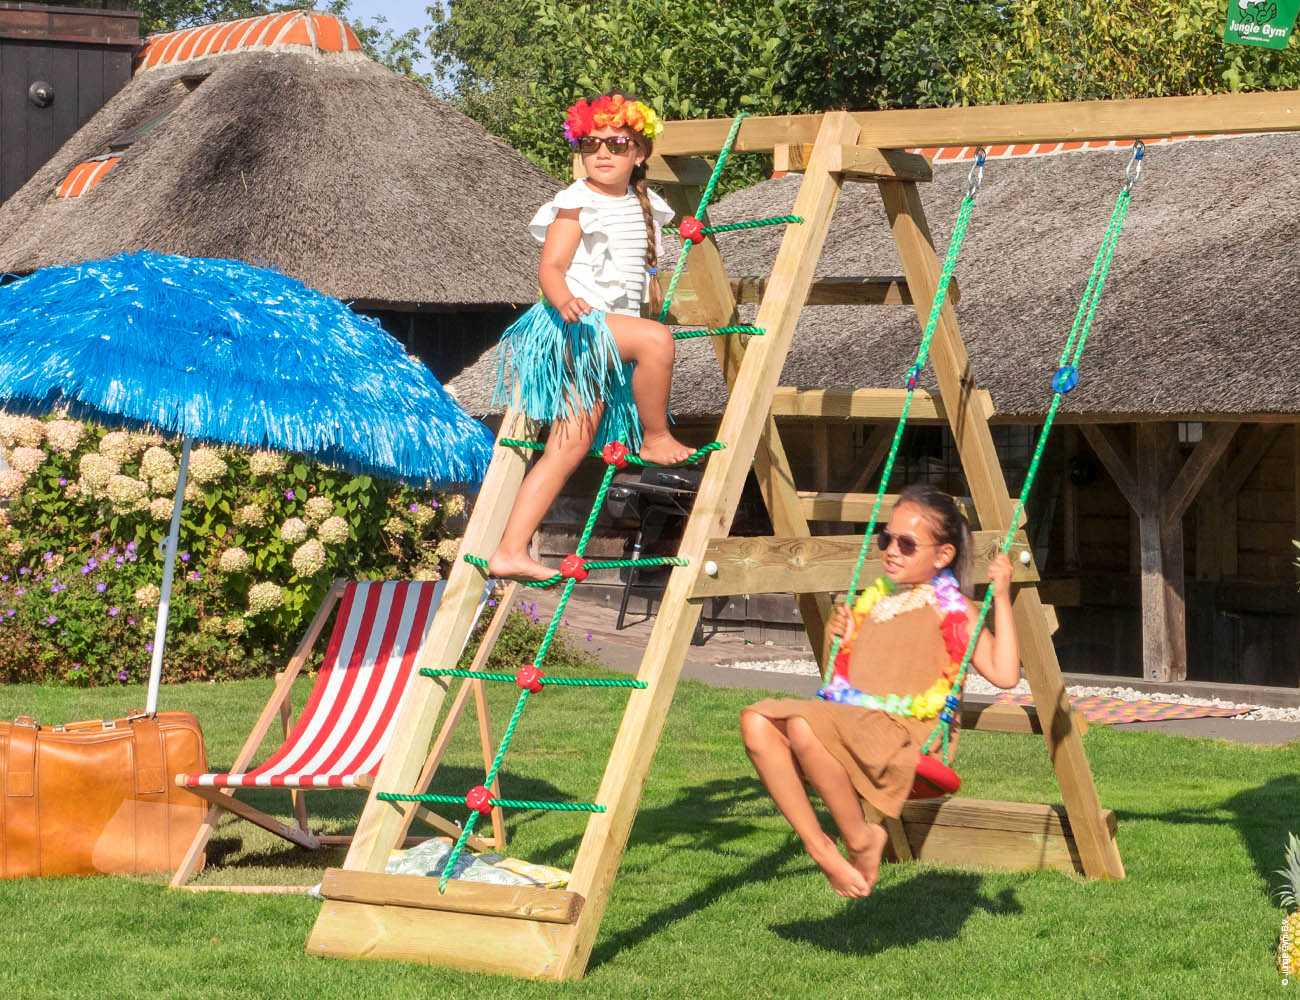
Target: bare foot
867,860
664,449
505,566
843,877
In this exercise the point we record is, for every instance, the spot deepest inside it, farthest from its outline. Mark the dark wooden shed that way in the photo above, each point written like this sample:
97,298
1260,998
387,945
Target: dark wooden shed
58,66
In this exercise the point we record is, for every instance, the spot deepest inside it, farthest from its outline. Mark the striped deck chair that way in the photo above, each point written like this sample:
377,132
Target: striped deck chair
339,739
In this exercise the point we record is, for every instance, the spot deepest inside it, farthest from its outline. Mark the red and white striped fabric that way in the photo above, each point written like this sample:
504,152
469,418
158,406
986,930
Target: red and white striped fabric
345,727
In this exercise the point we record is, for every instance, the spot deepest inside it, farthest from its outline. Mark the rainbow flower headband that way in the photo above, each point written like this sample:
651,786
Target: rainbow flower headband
611,111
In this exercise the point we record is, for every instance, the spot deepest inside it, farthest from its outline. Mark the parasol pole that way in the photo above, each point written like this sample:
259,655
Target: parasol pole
169,570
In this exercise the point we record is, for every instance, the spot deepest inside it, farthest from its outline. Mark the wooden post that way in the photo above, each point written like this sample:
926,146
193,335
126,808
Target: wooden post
1070,503
1164,626
969,421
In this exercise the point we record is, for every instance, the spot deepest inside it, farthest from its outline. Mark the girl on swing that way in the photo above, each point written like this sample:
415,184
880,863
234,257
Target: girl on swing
906,635
583,359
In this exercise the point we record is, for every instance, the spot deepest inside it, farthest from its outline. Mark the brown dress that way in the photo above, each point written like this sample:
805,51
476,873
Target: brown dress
904,655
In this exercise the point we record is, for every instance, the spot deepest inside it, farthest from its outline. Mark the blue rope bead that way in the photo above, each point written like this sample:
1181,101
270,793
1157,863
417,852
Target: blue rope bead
946,716
952,702
913,376
1065,379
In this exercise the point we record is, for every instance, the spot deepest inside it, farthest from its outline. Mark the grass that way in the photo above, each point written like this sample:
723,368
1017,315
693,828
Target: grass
713,898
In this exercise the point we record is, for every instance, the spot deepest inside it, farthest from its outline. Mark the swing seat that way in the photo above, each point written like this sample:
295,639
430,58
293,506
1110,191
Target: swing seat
934,779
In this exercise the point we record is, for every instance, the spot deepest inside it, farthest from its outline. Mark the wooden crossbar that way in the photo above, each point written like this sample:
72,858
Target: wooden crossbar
869,404
551,906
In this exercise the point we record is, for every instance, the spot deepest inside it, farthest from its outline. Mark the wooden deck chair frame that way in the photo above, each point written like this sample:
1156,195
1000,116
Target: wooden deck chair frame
280,705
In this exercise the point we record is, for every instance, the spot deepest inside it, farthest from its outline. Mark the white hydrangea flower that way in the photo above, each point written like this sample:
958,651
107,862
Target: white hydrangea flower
164,484
309,559
396,526
142,440
428,574
333,531
26,460
28,432
15,548
148,596
264,597
265,463
64,436
8,427
118,446
317,509
11,483
73,491
96,470
160,508
251,515
212,626
235,627
127,494
448,549
157,462
422,515
235,560
294,530
206,466
454,505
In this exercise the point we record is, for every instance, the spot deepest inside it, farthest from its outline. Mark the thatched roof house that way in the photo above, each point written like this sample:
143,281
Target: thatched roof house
277,141
1199,315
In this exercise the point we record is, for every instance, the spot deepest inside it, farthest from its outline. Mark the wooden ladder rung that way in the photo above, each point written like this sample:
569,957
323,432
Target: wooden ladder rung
867,404
855,508
819,565
550,906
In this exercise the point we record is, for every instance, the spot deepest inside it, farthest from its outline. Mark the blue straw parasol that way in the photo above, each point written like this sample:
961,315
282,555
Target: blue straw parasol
220,351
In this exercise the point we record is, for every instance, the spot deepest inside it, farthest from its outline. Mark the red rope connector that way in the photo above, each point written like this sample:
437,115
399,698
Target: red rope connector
529,677
691,229
573,568
615,453
479,799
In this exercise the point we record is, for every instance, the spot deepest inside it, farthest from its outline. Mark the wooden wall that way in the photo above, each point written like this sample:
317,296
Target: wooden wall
84,55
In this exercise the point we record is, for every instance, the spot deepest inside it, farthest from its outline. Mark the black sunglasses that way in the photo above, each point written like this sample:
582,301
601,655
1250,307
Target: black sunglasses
616,144
907,545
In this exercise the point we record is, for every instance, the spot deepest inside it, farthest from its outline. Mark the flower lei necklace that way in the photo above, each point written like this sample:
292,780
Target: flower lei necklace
880,603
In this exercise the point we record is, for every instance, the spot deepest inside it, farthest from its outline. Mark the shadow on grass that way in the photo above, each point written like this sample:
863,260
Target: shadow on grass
1262,816
930,906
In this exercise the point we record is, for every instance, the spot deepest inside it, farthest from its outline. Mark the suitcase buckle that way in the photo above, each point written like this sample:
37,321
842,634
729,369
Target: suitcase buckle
108,724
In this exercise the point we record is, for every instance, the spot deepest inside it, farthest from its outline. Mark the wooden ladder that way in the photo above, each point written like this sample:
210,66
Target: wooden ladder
544,933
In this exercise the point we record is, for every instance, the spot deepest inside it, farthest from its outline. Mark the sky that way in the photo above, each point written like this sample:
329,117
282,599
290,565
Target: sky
401,15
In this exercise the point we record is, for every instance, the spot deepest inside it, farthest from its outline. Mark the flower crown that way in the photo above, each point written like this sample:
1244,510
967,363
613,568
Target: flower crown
611,111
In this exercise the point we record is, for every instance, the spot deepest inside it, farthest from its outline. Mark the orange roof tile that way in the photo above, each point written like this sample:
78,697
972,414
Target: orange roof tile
302,29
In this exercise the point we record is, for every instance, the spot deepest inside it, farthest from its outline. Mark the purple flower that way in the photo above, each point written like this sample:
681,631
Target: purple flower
130,620
118,562
100,587
195,575
123,676
413,508
113,551
185,557
130,547
290,495
148,646
24,571
492,603
93,563
114,612
85,570
10,613
20,591
63,481
4,578
436,505
48,557
589,637
51,620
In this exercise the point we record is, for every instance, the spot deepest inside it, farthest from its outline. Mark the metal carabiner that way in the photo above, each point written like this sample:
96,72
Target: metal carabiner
976,176
1134,169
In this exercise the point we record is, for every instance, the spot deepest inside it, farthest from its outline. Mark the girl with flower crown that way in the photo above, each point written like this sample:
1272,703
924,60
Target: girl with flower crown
583,359
901,647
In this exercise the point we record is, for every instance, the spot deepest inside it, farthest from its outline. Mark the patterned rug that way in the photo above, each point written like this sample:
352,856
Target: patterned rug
1098,708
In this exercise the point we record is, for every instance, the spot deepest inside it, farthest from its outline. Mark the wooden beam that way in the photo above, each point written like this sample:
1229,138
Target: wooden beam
550,906
685,171
842,291
968,420
1080,121
855,508
715,506
1111,455
866,404
1255,444
1215,439
1164,624
864,163
820,565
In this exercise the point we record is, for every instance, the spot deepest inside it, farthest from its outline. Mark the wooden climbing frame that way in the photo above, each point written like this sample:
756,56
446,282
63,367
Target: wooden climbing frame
549,934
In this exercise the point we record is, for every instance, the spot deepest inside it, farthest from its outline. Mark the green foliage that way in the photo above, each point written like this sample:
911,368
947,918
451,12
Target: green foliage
261,539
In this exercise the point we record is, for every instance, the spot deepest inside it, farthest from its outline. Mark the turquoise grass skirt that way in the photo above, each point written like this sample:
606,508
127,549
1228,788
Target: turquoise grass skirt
561,370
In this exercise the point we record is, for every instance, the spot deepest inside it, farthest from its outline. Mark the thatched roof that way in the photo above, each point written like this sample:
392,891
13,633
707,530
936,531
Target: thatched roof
1200,314
326,166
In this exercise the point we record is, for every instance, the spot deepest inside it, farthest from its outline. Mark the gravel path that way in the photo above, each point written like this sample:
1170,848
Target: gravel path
978,685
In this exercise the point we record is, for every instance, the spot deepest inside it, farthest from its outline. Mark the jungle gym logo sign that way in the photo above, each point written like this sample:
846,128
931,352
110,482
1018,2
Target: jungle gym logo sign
1263,23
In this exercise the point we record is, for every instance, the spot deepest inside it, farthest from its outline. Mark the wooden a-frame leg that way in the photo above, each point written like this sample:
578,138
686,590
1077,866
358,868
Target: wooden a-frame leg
970,428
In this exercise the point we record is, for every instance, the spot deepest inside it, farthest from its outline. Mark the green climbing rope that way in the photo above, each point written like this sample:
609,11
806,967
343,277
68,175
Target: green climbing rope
459,800
705,197
1063,381
913,378
731,227
719,331
576,682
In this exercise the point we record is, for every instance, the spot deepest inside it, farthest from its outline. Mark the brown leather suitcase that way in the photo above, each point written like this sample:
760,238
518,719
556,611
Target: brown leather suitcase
91,798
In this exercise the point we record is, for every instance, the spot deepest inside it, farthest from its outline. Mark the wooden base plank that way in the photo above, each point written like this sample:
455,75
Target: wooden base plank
468,941
549,906
977,833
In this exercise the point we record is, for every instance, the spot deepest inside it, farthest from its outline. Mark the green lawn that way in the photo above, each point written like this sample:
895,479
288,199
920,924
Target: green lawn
714,898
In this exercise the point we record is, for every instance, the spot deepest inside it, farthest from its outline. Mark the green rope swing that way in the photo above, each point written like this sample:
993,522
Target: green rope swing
479,799
1064,380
